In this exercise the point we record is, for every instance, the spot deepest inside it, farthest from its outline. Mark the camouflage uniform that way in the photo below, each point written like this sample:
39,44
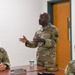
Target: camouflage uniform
70,69
46,54
4,57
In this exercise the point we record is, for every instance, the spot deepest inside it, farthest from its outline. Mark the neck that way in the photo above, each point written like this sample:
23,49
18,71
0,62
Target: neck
44,25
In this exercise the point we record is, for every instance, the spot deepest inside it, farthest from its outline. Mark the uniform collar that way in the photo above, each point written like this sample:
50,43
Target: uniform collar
46,27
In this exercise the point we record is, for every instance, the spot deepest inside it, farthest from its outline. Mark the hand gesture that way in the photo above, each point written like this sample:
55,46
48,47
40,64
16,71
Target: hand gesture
24,39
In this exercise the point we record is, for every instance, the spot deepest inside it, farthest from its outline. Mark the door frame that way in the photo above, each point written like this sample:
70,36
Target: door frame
50,11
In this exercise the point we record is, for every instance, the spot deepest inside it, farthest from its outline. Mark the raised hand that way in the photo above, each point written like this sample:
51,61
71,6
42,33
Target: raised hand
24,39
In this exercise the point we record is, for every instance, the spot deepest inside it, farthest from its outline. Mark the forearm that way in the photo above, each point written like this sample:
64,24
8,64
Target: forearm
50,43
47,43
5,59
31,44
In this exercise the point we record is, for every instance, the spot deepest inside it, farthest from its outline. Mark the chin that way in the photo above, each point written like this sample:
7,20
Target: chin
40,24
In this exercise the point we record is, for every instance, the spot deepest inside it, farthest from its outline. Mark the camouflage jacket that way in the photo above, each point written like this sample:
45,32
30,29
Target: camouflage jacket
70,69
46,51
4,57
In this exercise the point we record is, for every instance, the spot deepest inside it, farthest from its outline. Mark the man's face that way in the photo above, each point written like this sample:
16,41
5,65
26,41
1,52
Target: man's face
42,20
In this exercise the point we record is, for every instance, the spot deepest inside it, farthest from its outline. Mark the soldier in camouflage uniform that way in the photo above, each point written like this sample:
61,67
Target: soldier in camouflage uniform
4,60
70,69
45,39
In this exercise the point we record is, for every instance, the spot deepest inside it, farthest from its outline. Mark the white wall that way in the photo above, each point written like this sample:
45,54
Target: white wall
18,18
73,27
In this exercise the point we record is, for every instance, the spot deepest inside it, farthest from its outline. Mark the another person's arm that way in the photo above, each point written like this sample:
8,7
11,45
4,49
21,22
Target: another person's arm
4,61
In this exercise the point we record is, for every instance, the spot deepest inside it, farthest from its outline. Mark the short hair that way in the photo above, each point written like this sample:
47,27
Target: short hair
47,16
